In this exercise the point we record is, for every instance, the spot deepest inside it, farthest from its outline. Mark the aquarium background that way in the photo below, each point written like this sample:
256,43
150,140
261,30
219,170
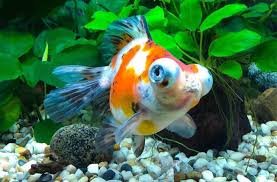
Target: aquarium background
236,135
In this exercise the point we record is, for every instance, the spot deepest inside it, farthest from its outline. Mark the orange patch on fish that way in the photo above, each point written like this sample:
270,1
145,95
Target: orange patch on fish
194,68
121,97
147,127
113,62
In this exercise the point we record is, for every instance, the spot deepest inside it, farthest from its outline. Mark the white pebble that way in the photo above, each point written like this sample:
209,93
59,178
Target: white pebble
126,175
154,170
70,168
200,163
83,179
39,148
19,176
182,157
145,162
210,154
242,178
219,179
131,156
119,156
251,170
71,178
93,168
64,173
113,165
263,165
221,161
185,167
137,169
261,179
263,173
34,177
237,156
166,161
207,175
145,178
265,129
79,174
14,128
98,179
231,164
10,147
28,165
102,170
3,174
272,168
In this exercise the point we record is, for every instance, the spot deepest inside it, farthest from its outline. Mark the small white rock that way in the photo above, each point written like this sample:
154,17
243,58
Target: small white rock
102,170
182,157
83,179
119,156
98,179
261,179
200,163
93,168
145,178
263,173
272,168
34,177
71,178
14,128
28,165
210,154
242,178
219,179
265,129
251,170
237,156
207,175
64,173
131,156
10,147
71,169
126,175
39,148
154,170
221,161
3,174
19,176
166,161
137,169
79,174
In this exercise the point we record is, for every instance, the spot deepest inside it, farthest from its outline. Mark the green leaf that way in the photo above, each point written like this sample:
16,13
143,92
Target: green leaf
9,67
15,43
10,111
101,20
217,16
185,41
166,41
174,23
257,10
31,70
126,11
232,69
191,14
108,5
57,39
234,42
155,17
265,56
44,130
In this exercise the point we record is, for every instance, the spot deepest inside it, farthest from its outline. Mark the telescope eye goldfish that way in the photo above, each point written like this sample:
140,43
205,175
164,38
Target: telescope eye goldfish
143,90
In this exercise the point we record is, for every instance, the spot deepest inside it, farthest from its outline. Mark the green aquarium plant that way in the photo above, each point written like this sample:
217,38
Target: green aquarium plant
224,36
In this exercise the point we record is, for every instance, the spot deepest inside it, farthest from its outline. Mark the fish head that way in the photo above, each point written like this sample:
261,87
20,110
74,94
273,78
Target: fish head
177,85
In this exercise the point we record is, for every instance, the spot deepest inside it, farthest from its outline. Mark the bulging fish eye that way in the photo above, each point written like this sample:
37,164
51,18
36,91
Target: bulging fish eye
163,72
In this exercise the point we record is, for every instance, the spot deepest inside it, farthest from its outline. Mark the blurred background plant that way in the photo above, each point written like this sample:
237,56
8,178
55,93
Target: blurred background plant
36,36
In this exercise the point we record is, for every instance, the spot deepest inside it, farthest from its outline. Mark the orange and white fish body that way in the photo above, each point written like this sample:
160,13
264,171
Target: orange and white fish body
146,88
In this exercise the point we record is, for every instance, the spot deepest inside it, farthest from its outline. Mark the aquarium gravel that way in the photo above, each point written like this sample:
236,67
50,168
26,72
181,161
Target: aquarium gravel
255,160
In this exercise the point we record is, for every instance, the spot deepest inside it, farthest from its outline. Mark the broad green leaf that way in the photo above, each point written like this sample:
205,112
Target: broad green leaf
232,69
155,17
166,41
44,130
217,16
265,56
126,11
80,55
15,43
101,20
31,70
57,40
174,23
191,14
234,42
235,24
257,10
46,74
108,5
9,67
10,111
185,41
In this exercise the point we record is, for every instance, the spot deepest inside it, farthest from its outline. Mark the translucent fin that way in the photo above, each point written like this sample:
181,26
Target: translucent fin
75,73
139,142
184,126
64,103
112,133
121,32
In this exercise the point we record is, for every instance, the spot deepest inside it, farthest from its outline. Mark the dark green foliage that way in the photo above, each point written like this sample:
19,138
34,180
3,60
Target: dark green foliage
218,34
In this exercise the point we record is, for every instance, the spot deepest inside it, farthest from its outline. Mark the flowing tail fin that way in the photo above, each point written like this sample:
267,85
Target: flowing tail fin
64,103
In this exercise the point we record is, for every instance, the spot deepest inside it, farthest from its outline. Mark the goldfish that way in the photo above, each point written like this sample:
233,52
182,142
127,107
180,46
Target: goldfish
143,90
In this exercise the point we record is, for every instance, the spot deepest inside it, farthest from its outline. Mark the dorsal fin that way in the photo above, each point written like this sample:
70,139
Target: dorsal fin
121,32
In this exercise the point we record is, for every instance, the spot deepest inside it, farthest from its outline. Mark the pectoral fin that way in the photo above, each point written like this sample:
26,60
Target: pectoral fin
139,142
185,126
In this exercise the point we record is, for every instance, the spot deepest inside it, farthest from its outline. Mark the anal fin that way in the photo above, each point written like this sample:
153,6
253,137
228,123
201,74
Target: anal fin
185,126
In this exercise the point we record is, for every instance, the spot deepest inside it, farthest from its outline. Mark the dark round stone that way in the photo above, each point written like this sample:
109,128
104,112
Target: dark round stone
126,167
108,175
45,177
75,144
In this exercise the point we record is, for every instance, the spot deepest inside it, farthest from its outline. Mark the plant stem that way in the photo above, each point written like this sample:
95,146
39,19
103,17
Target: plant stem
175,7
45,92
187,55
204,6
200,47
